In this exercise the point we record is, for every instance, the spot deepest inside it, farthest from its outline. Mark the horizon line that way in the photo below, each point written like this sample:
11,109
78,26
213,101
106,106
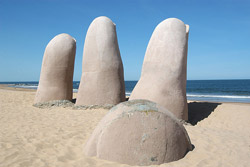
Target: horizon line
138,80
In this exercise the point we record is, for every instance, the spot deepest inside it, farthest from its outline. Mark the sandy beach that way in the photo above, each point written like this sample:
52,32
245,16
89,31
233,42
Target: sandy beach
30,136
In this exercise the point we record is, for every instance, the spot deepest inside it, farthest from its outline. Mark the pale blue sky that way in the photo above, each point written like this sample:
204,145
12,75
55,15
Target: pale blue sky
219,46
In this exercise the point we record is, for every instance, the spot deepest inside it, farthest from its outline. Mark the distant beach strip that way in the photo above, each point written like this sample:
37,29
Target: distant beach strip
197,90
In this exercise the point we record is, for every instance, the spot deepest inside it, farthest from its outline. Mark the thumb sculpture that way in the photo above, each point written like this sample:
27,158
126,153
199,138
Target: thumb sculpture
139,132
102,80
163,77
56,78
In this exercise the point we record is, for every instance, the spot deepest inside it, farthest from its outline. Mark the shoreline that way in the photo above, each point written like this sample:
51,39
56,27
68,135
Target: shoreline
7,87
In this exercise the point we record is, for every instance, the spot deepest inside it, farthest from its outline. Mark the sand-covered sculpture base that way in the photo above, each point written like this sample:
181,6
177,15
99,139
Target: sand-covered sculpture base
31,136
67,103
139,132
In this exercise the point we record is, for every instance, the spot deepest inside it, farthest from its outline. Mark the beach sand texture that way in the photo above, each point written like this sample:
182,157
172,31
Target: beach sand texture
54,137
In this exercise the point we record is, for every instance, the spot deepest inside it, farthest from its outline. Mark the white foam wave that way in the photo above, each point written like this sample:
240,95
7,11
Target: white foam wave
26,86
128,93
219,96
35,87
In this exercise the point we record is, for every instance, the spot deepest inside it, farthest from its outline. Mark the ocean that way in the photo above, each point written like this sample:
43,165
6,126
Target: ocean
200,90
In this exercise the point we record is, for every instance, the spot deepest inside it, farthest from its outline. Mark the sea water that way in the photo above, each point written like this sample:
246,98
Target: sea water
200,90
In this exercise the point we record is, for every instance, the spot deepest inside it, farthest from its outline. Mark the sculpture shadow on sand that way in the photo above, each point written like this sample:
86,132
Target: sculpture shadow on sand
197,111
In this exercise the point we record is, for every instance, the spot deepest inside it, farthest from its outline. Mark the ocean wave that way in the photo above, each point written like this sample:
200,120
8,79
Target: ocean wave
219,96
26,86
33,87
128,93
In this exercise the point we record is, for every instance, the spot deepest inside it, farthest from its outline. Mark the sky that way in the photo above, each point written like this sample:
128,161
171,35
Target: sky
218,47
